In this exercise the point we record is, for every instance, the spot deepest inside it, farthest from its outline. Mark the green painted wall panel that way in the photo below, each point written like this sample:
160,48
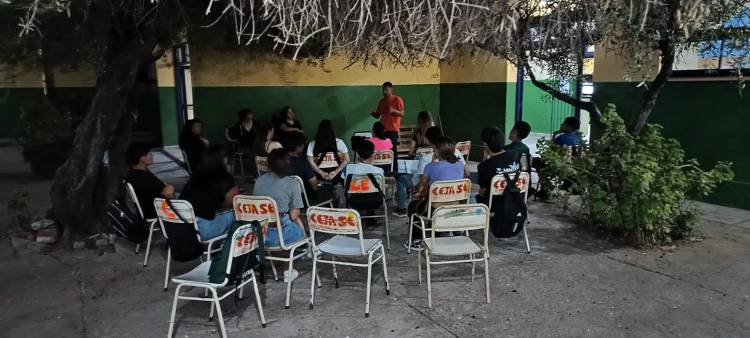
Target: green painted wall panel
542,111
168,115
347,106
466,108
709,118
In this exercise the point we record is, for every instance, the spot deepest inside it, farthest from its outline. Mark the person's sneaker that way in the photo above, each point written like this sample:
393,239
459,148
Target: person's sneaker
293,277
414,244
398,212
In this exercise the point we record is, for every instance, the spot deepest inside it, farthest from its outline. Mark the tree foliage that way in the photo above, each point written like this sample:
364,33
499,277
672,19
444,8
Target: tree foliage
635,185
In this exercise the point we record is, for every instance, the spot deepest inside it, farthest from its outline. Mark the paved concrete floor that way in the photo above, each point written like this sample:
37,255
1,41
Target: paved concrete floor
575,283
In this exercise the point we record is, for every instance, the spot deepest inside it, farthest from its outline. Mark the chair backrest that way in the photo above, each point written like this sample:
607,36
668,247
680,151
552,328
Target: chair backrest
174,217
464,148
383,159
498,185
335,221
250,208
452,191
244,240
525,162
362,184
301,184
462,217
261,163
133,197
167,213
329,160
364,133
423,151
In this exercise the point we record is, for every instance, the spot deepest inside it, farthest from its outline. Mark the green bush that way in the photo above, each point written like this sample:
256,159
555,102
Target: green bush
635,186
45,133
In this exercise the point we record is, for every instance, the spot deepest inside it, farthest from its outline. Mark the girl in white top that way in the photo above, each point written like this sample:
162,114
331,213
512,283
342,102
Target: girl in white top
327,142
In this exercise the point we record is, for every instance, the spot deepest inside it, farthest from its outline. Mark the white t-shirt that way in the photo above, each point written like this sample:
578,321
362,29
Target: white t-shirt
340,146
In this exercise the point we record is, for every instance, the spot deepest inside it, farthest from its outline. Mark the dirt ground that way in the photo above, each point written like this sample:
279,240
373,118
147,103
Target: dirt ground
573,284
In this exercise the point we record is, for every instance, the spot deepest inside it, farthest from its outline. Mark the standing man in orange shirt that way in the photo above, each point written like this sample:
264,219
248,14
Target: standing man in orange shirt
390,111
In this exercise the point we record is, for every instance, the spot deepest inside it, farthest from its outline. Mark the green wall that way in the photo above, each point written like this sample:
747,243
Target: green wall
709,118
466,108
11,100
168,115
543,112
347,106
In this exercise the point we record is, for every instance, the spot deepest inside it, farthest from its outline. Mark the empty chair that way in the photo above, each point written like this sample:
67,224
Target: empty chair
452,218
441,193
347,242
240,257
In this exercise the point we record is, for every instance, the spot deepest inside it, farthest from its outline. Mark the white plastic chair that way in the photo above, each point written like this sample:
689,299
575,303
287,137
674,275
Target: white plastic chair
361,184
462,218
423,151
261,164
497,187
243,240
464,148
441,192
164,213
150,221
383,159
343,222
249,208
305,200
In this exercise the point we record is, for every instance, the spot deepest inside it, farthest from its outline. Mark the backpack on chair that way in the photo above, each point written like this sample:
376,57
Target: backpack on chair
125,221
242,263
508,215
364,201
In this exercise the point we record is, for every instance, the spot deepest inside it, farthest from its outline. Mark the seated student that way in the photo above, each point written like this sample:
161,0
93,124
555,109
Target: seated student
326,142
286,192
294,143
568,133
364,149
403,182
192,141
242,133
286,124
418,138
211,190
379,139
499,161
146,185
519,132
448,167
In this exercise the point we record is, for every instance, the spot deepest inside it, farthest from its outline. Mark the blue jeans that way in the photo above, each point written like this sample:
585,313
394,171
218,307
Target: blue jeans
211,228
403,183
291,231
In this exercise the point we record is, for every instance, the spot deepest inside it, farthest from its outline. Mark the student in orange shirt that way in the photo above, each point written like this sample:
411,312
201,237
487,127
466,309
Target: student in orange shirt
390,111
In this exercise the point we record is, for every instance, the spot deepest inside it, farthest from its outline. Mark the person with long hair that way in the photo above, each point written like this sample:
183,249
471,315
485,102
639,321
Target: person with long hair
419,138
265,142
279,185
287,124
321,153
242,133
210,190
192,141
379,139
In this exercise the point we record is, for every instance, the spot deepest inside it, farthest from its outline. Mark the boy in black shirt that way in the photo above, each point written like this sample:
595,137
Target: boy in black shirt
498,161
146,185
294,143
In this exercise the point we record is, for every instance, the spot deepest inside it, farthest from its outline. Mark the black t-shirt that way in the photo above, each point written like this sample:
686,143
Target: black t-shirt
244,138
301,167
147,187
505,162
206,192
193,147
282,134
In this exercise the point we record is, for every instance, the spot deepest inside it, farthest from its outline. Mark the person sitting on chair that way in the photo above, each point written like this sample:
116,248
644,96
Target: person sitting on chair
499,161
364,149
568,133
294,143
379,139
519,132
146,185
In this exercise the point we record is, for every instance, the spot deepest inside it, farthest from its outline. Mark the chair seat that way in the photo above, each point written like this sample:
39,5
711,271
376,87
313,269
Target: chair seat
452,246
347,246
290,245
199,274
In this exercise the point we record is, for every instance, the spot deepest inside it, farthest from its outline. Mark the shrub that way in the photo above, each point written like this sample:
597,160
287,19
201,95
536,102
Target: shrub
45,134
635,186
18,210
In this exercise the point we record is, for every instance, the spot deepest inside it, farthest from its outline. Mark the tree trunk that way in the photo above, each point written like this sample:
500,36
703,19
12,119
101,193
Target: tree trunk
83,186
589,106
652,93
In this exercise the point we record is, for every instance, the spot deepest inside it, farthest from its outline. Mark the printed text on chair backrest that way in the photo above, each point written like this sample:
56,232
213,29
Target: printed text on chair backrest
167,213
464,147
329,160
383,159
334,221
244,240
361,184
450,191
423,151
250,208
460,217
261,162
497,187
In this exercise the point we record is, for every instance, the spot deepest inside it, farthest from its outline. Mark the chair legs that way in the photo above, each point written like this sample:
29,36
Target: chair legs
257,300
526,237
385,273
289,282
387,231
369,282
166,272
487,275
174,310
148,242
137,248
312,282
429,281
411,228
